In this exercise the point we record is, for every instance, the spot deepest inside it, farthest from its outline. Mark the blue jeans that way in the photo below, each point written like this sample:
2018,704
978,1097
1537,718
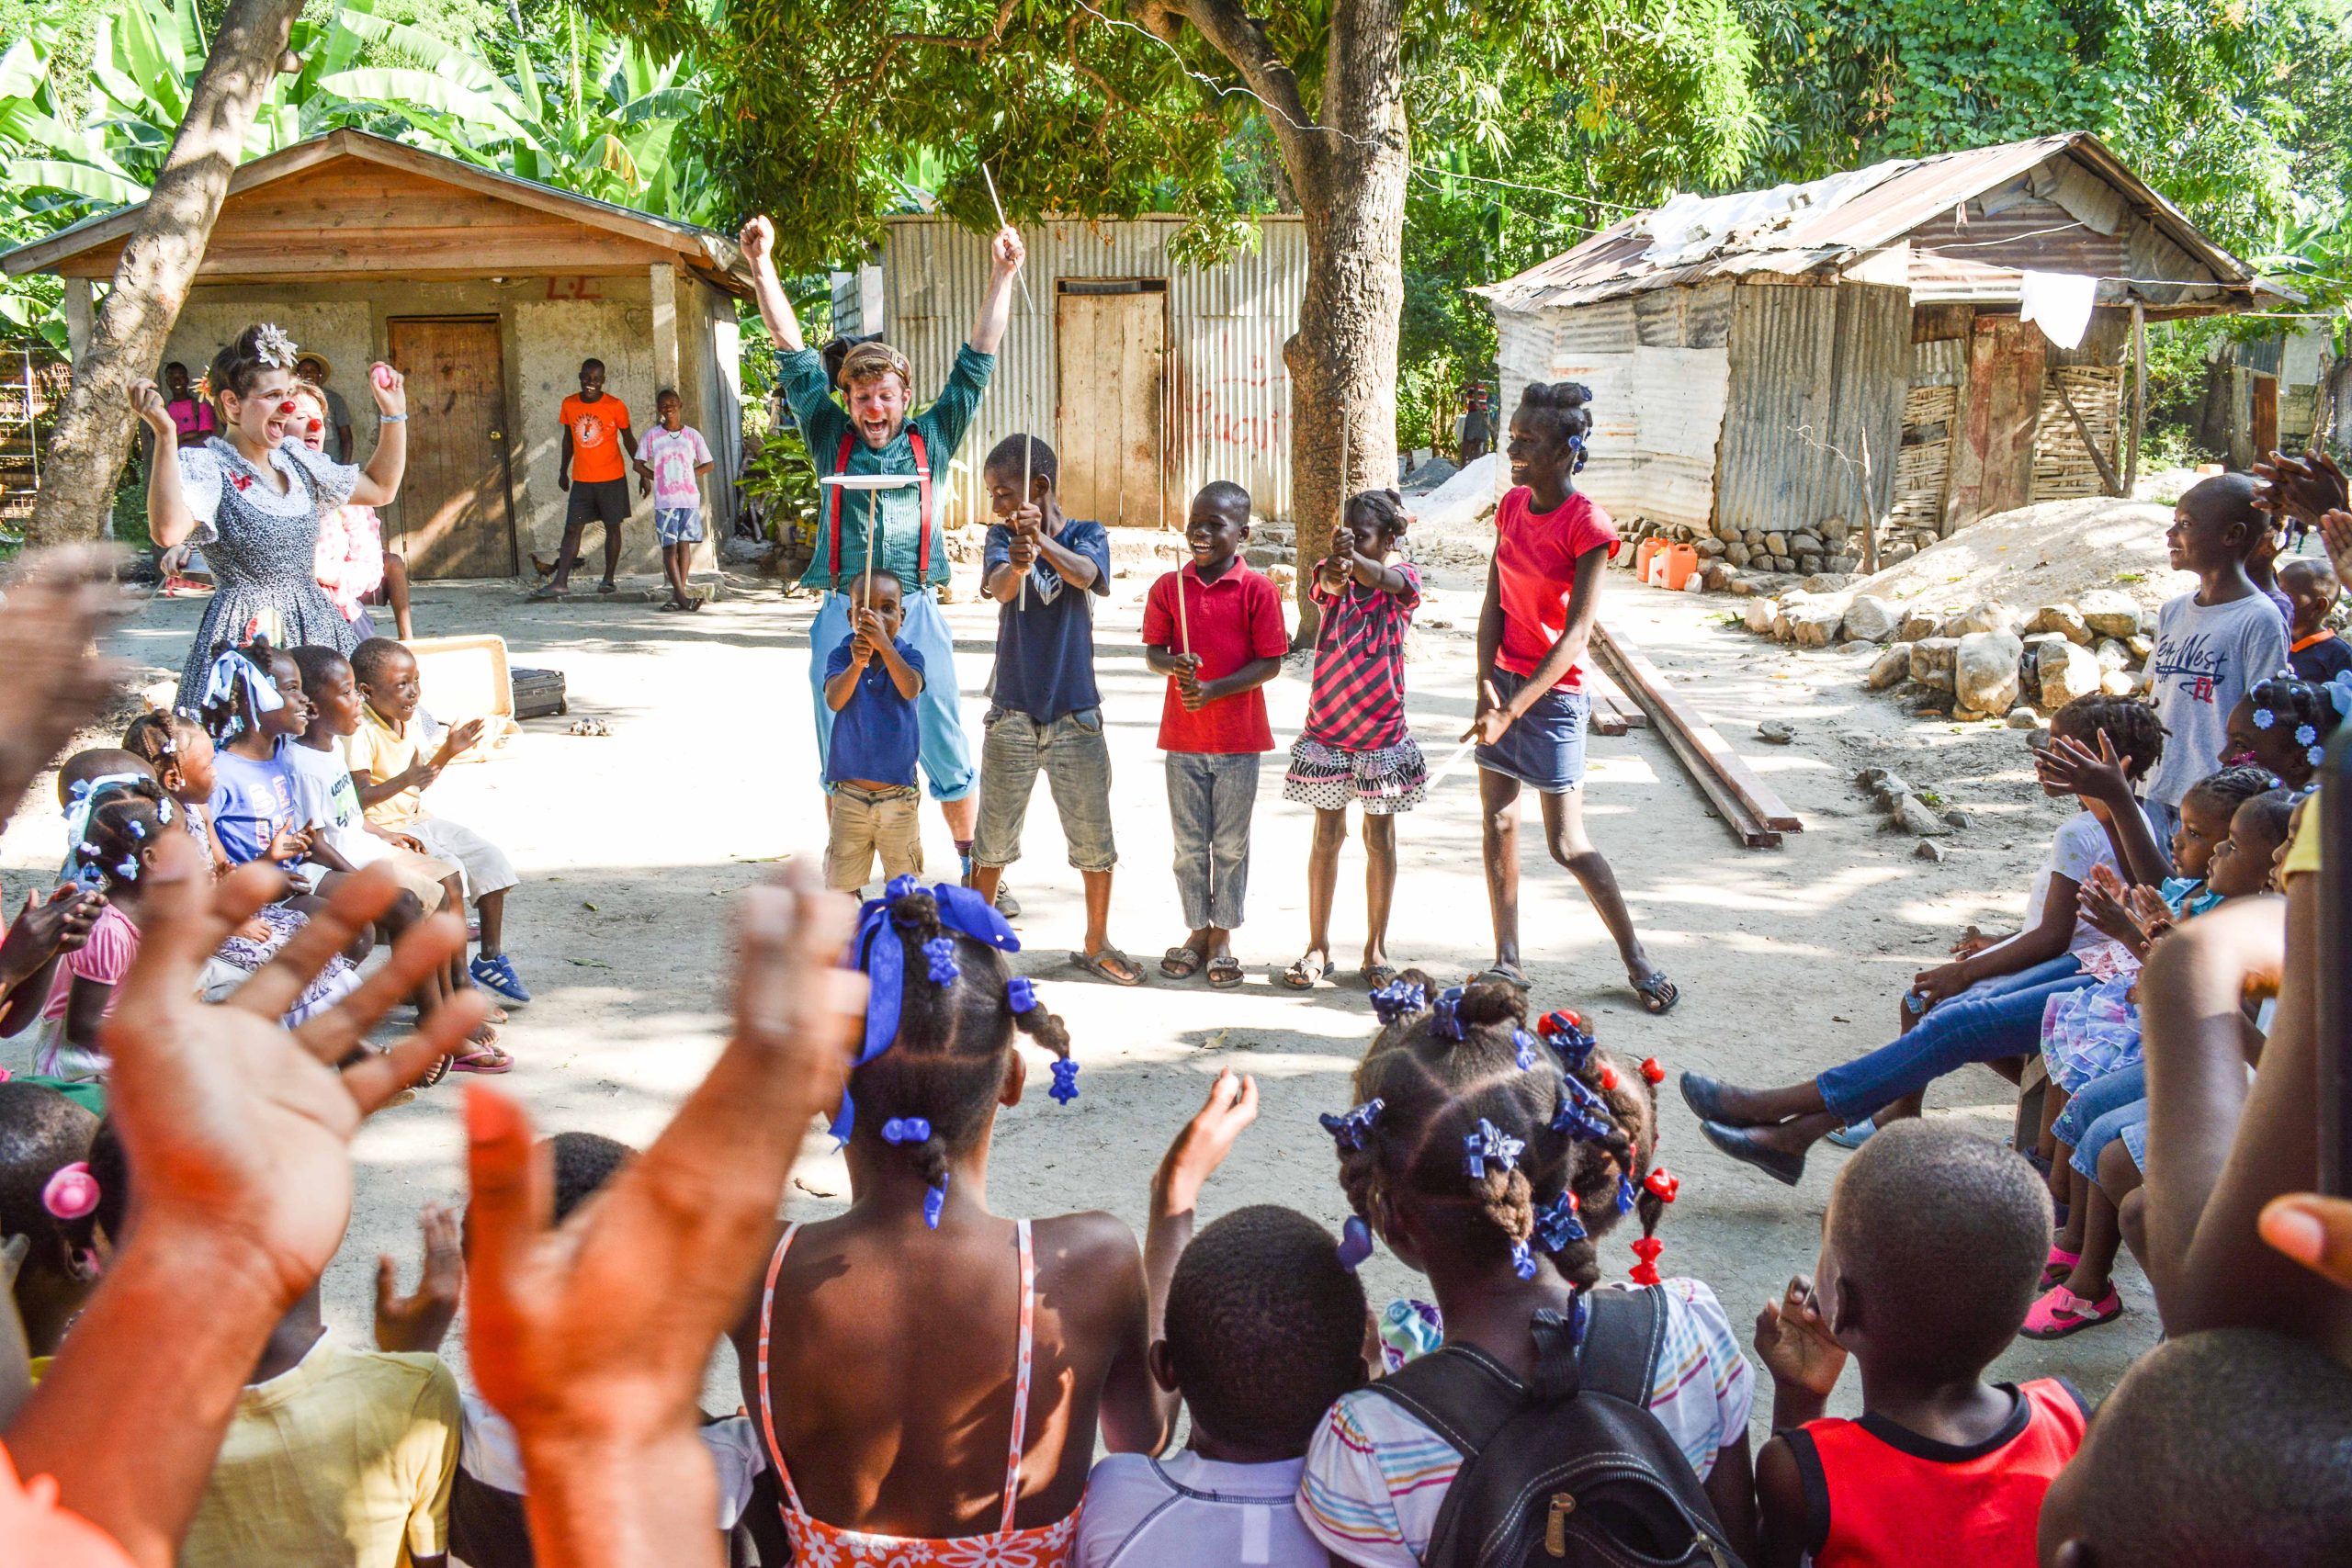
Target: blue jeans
1210,796
2001,1016
2097,1116
946,749
1077,762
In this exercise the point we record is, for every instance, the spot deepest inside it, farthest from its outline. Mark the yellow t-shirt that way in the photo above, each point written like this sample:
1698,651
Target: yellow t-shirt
2302,854
382,752
345,1461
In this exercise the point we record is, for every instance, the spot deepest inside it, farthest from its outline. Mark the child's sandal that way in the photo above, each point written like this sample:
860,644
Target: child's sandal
1179,964
480,1056
2058,1266
1224,972
2060,1311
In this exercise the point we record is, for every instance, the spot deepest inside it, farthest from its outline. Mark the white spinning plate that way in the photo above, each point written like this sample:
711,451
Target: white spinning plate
870,482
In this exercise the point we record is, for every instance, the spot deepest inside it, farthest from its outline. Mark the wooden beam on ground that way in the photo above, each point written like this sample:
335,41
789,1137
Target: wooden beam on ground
1750,806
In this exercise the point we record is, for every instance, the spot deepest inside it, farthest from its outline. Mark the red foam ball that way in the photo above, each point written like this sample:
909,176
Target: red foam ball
1652,1070
382,376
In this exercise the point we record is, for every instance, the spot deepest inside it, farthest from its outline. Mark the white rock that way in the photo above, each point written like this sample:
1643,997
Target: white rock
1891,665
1920,623
1984,671
2065,671
1759,614
1983,617
2024,718
2112,655
1931,661
2064,618
2110,613
1871,618
2119,683
1815,623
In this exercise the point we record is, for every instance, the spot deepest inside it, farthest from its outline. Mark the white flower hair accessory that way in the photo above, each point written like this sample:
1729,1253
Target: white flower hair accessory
273,347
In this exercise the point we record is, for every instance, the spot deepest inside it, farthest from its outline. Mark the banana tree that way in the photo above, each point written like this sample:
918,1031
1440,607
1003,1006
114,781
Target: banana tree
585,111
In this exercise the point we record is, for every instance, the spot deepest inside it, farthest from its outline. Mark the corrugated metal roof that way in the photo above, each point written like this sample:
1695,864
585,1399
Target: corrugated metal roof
1822,228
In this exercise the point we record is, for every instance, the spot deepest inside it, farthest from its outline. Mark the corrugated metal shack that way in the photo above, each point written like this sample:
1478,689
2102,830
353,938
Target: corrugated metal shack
1752,357
1149,378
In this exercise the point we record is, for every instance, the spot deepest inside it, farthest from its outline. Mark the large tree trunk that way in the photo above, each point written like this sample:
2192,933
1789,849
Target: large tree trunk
91,438
1348,169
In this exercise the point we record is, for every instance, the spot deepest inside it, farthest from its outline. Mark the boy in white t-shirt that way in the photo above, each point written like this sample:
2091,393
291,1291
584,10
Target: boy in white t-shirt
670,462
1265,1330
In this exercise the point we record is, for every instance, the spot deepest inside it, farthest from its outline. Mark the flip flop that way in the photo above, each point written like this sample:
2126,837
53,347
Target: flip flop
608,588
547,595
482,1057
694,604
1099,965
1303,974
669,605
1225,973
1510,974
1377,975
1179,964
1658,995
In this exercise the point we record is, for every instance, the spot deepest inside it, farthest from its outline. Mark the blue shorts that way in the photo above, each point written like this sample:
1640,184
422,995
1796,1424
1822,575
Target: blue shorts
1543,750
678,525
946,754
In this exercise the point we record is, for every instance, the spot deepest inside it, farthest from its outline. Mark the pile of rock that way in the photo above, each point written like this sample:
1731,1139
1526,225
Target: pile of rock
1907,810
1982,661
1730,556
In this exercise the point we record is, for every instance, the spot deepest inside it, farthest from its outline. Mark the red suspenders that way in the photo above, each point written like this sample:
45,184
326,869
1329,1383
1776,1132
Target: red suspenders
923,472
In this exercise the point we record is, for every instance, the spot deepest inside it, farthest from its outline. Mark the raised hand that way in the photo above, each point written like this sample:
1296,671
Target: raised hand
60,923
2098,776
461,739
147,402
59,606
592,1337
420,1322
1204,1143
389,387
758,239
2104,902
1794,1343
2302,487
1006,251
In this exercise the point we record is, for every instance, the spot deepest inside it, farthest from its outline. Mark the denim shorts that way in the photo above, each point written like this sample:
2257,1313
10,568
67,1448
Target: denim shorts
1076,761
678,525
1543,750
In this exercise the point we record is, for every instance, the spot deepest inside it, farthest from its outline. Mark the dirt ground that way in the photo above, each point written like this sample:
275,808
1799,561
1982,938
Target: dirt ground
631,845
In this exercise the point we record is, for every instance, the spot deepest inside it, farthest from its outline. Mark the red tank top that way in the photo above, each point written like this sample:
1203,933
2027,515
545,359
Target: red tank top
1877,1494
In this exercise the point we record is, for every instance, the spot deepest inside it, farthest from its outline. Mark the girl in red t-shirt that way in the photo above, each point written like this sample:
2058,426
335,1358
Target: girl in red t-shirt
1542,590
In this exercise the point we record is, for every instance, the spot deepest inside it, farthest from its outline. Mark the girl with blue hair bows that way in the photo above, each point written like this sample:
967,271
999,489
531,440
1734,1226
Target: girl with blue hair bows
876,1355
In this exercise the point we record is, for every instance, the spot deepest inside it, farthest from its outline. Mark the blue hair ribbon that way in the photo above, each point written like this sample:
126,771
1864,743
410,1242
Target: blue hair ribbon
1557,1225
1624,1193
1523,1261
1447,1022
906,1130
1355,1244
1524,1044
934,1201
233,673
876,950
1020,995
1065,1087
941,953
1349,1131
1398,998
1582,1114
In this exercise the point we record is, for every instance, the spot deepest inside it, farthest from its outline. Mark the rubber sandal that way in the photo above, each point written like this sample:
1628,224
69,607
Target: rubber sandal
1378,975
1510,974
669,605
608,588
1099,966
2061,1264
482,1057
2060,1311
694,604
436,1073
1658,995
547,595
1179,964
1853,1134
1225,973
1303,974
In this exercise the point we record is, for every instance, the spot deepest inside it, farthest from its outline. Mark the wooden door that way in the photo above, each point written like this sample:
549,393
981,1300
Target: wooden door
1992,465
455,517
2266,414
1111,348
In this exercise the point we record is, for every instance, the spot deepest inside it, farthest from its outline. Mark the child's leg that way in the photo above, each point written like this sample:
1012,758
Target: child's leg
395,593
1379,884
1322,882
1234,796
2053,1100
492,908
850,840
947,763
1498,833
1010,745
673,562
2075,1188
1189,816
611,548
2103,1234
1565,836
1078,772
898,834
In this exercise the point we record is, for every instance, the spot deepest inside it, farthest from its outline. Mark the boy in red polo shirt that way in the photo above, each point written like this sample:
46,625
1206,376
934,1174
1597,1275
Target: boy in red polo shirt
1214,629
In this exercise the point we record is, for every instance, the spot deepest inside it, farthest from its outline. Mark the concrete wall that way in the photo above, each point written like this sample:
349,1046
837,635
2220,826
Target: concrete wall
547,326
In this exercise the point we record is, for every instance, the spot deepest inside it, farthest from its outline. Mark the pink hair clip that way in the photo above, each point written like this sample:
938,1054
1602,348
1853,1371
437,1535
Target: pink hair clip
71,1191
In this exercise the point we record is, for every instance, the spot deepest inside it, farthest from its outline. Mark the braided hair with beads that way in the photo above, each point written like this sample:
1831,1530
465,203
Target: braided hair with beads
930,1094
1510,1144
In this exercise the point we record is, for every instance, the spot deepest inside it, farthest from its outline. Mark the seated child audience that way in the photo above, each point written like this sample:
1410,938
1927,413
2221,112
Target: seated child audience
1045,568
2218,1450
178,750
1264,1331
44,932
2214,643
1575,1131
1986,1005
2314,651
871,684
1355,749
2102,1157
116,847
253,702
917,1405
391,772
1215,628
44,1165
1930,1252
335,1455
2283,726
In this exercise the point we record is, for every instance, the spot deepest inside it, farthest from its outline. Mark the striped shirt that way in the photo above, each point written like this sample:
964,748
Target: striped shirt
1376,1477
1357,703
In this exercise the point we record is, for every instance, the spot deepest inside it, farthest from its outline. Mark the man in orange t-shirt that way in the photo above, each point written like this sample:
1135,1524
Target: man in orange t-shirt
595,437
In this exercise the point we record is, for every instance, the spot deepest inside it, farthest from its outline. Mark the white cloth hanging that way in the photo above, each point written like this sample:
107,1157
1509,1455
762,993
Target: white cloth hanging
2060,303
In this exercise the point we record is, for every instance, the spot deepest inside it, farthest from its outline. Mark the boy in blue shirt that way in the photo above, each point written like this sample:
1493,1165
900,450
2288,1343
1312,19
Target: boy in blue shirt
871,684
1043,566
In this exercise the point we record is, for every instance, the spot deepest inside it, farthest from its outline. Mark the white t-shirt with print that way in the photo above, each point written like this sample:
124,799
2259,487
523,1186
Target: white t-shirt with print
326,799
1185,1510
1376,1476
2080,845
2206,658
674,455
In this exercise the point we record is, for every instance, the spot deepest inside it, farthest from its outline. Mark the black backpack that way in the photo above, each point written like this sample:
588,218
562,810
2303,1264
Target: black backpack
1572,1467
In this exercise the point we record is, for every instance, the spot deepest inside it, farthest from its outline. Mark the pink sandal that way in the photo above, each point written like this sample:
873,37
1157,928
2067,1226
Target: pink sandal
2060,1265
2061,1312
480,1056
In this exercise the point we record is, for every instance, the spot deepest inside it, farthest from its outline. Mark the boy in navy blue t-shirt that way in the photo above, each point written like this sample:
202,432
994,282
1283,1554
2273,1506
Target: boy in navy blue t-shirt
1044,567
871,684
